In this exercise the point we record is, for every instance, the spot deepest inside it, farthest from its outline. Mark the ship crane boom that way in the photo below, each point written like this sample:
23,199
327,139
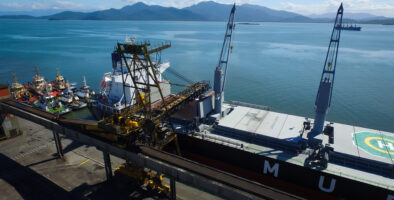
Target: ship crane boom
324,94
221,69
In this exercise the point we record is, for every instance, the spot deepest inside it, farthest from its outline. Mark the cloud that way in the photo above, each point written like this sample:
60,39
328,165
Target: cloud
375,7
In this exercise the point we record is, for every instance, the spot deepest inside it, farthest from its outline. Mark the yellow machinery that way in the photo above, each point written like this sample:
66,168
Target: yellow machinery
142,123
151,180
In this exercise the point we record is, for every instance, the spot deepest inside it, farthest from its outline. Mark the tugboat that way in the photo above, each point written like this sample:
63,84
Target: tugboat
59,83
67,95
48,103
18,91
69,98
38,85
84,92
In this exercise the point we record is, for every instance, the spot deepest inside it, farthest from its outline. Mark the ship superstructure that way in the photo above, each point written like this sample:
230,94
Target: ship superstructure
84,91
17,89
38,84
60,82
116,96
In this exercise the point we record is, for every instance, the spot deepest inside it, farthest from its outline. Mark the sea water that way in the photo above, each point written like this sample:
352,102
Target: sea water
274,64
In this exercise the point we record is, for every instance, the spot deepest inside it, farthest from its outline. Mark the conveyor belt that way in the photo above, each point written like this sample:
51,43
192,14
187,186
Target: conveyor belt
35,115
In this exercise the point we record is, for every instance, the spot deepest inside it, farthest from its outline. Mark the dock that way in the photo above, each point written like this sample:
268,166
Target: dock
31,169
208,179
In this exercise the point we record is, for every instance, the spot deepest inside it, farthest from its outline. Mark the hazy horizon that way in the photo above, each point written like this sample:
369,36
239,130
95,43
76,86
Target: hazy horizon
383,8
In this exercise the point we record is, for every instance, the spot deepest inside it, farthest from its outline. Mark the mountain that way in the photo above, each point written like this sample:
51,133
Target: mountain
205,11
66,15
247,13
34,13
387,21
209,10
17,17
352,16
138,11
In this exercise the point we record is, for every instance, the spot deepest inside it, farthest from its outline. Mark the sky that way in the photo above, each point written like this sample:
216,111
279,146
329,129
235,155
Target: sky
304,7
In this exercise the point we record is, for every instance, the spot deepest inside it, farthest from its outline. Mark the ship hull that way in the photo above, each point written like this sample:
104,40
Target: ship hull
100,110
299,180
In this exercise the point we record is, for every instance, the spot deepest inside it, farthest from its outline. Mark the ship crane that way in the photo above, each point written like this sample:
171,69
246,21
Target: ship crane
221,69
324,94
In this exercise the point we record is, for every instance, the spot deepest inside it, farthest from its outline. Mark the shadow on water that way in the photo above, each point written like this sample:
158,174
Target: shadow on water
31,186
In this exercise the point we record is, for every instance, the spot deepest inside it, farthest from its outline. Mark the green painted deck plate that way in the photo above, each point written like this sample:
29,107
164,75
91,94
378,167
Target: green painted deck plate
375,143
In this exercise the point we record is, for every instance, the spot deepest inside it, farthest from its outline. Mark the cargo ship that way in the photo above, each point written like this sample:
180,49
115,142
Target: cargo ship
349,27
311,158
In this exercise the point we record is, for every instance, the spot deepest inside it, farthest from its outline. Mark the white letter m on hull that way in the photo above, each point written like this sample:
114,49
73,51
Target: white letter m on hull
274,169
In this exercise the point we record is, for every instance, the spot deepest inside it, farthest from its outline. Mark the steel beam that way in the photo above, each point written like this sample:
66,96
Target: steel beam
107,163
173,189
58,143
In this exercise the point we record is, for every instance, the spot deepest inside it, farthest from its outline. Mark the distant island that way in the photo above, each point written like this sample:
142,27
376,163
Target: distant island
203,11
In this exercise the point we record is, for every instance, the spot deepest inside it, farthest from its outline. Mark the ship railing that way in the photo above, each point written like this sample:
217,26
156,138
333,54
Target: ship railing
239,103
226,142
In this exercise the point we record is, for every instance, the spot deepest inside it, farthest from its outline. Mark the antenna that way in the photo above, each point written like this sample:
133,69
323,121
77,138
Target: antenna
36,69
15,78
84,81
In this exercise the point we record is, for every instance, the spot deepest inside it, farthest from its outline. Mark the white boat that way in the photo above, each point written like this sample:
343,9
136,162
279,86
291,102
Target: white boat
68,95
84,92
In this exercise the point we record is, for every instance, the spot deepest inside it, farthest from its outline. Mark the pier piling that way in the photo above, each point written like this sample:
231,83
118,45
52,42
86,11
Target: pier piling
107,163
173,189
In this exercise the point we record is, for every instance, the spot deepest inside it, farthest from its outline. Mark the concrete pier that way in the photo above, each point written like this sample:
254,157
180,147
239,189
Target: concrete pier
184,171
30,170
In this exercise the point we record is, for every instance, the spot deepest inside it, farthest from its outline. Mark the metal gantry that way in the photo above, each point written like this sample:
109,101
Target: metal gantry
142,123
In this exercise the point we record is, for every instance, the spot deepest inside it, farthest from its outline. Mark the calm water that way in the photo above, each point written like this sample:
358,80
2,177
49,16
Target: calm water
274,64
